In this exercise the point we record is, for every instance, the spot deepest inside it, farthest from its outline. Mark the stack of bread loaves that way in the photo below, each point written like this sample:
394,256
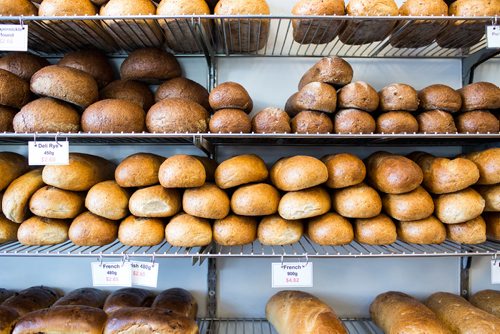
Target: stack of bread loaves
479,101
438,103
397,103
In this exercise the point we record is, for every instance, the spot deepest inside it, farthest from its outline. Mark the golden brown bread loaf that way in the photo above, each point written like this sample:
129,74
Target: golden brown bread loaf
107,199
177,115
22,64
241,169
316,96
182,171
8,319
442,175
414,205
379,230
235,230
207,201
488,162
307,203
183,88
39,231
138,170
480,96
311,122
396,312
83,172
155,201
461,316
128,297
492,220
91,61
89,229
66,8
459,207
8,230
51,202
299,312
134,319
358,95
298,172
17,8
353,121
179,301
393,174
470,232
150,65
491,196
47,115
332,70
276,231
396,122
14,91
316,31
12,166
185,230
436,121
113,115
140,232
344,170
423,232
398,97
260,199
230,95
440,97
85,296
230,121
65,83
7,115
32,299
130,90
17,195
358,201
330,229
271,120
477,121
487,300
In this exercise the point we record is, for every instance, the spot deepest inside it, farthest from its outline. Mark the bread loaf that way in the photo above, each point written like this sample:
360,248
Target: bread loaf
311,122
82,173
177,115
181,87
290,107
491,196
90,61
22,64
107,199
235,230
182,171
276,231
91,230
298,172
32,299
7,115
344,170
141,232
128,297
240,170
230,121
113,115
271,120
12,166
470,232
130,90
396,122
332,70
230,95
316,96
17,8
492,220
8,230
460,316
396,312
330,229
38,231
185,230
8,318
425,231
487,300
488,162
436,121
179,301
85,297
379,230
414,205
398,97
306,203
65,8
207,201
353,121
14,91
358,95
4,294
299,312
480,96
478,121
259,199
51,202
150,65
440,97
358,201
459,207
138,170
155,201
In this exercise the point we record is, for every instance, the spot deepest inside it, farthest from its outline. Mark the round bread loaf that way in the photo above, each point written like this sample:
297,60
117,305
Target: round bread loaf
491,196
38,231
67,84
436,121
379,230
47,115
184,89
396,122
353,121
235,230
128,298
241,169
358,95
393,174
440,97
311,122
332,70
298,172
66,8
330,229
178,300
107,199
487,300
12,166
91,230
17,8
207,201
469,232
138,170
4,293
22,64
8,231
316,96
414,205
423,232
290,107
31,299
344,170
418,8
82,172
113,115
155,202
90,61
271,120
7,115
398,96
488,163
51,202
14,91
182,171
185,230
306,203
84,296
259,199
477,121
359,201
230,121
141,232
17,195
177,115
480,96
230,95
276,231
150,65
459,207
130,90
492,220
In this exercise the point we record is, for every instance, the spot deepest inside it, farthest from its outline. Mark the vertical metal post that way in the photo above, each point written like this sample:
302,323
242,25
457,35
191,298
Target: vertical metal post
212,293
470,63
465,263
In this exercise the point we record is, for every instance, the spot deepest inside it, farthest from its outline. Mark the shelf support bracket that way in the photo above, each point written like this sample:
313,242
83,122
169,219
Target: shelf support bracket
204,145
470,63
465,264
212,292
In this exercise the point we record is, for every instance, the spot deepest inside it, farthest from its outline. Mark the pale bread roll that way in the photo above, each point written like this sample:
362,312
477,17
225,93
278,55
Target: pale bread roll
306,203
491,196
207,201
107,199
275,231
141,232
155,202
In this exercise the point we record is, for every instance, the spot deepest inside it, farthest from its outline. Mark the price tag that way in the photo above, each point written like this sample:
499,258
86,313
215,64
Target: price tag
48,153
495,271
13,37
292,274
145,273
493,36
111,274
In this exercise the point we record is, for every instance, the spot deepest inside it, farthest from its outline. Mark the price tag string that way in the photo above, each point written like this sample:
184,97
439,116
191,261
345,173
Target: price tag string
100,260
303,265
495,259
153,260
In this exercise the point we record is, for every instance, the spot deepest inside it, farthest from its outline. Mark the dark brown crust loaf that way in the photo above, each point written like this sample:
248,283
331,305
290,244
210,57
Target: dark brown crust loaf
8,318
311,122
7,115
477,121
436,121
332,70
130,90
128,297
183,88
230,95
138,170
14,91
290,107
316,96
230,121
353,121
398,97
358,95
396,122
150,65
93,62
113,115
22,64
32,299
85,296
440,97
270,120
179,301
480,96
4,294
177,115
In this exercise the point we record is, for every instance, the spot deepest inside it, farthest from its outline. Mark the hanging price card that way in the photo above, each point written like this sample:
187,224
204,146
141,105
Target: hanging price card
495,271
145,273
111,274
48,153
13,37
493,36
292,274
